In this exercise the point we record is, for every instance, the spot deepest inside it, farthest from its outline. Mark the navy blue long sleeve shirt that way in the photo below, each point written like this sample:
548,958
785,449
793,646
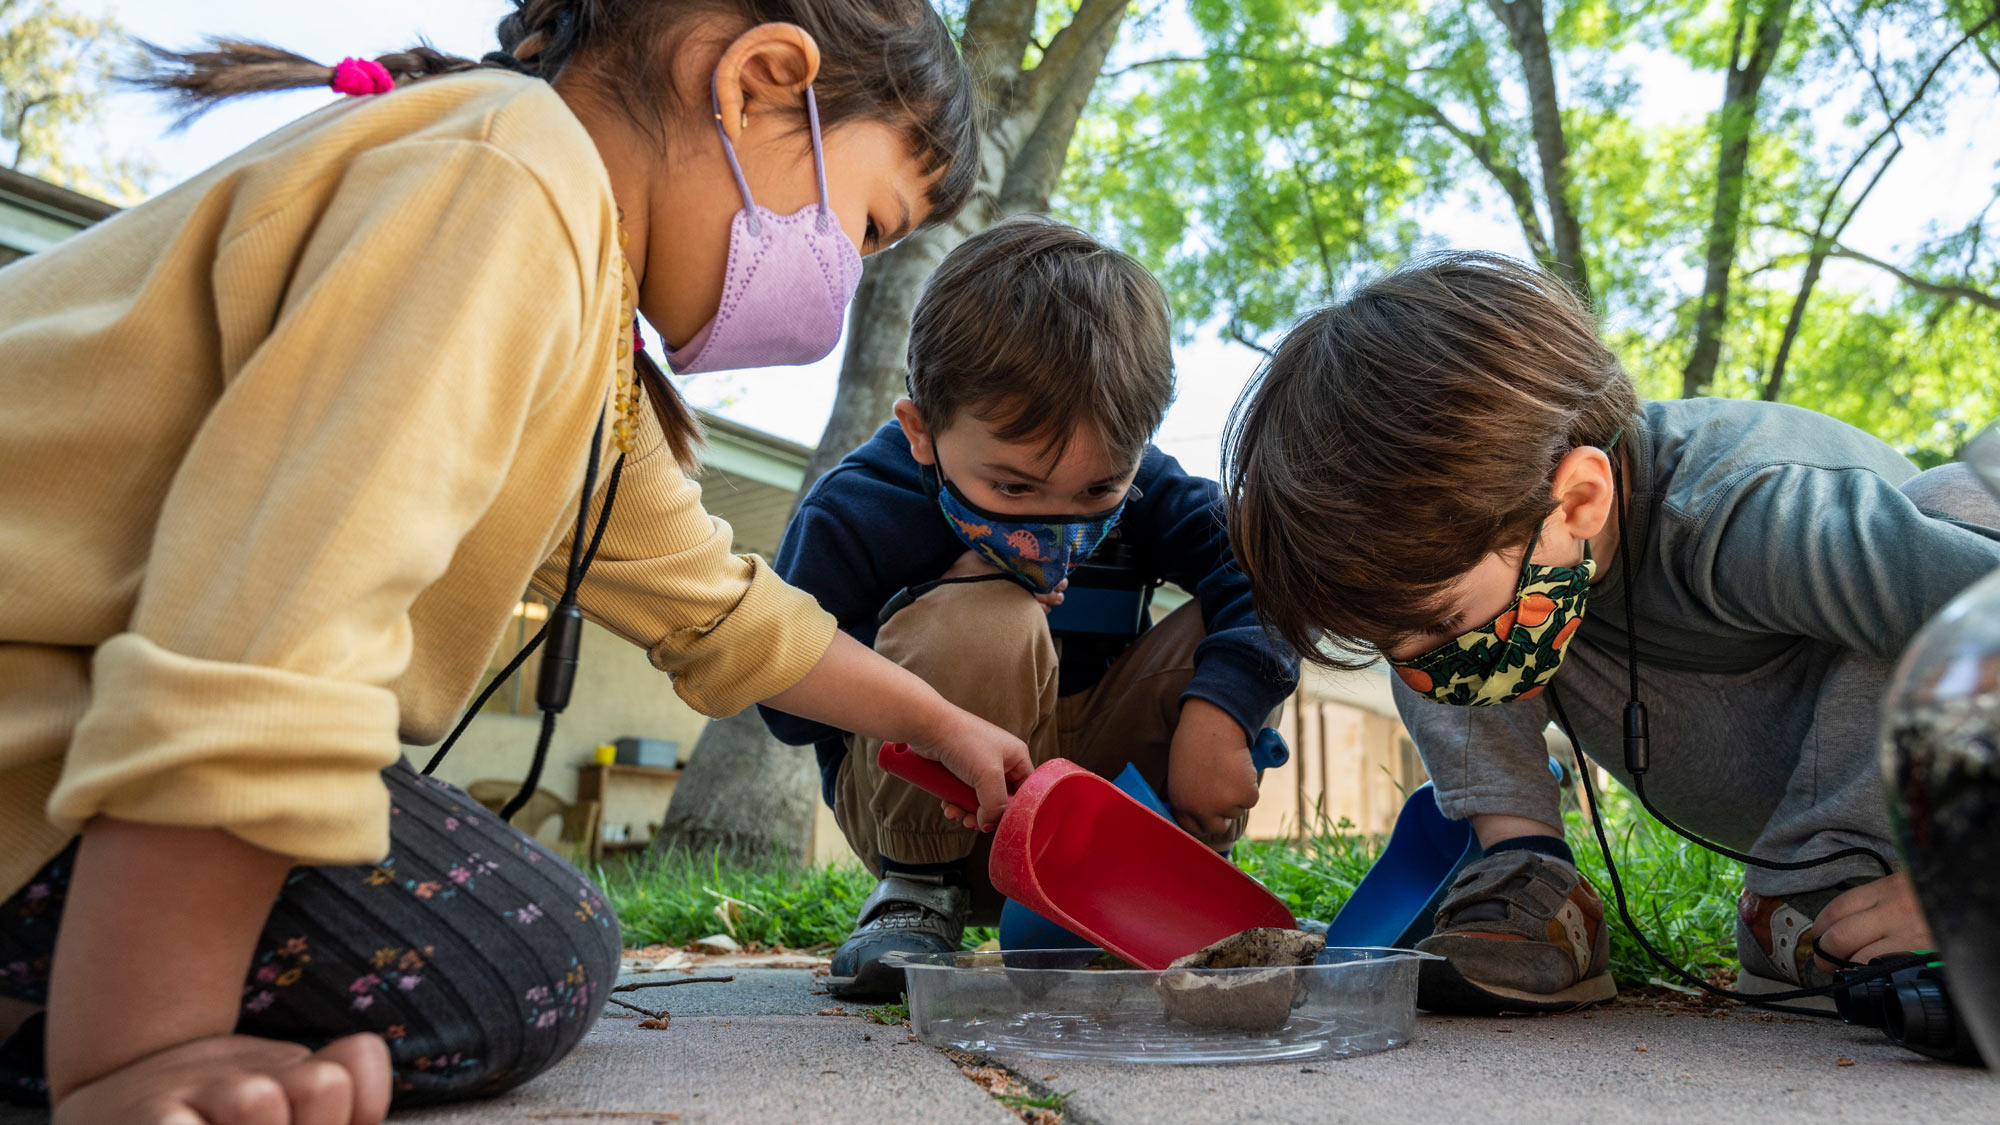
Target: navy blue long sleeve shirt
871,528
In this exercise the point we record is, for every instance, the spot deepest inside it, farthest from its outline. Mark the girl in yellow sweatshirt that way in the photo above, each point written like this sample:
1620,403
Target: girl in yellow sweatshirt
280,449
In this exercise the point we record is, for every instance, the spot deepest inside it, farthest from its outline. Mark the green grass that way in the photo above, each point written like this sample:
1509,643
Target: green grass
889,1015
679,898
1683,897
1031,1101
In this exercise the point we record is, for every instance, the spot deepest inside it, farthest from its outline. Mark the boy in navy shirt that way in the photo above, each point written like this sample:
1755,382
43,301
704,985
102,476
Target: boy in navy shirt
1018,474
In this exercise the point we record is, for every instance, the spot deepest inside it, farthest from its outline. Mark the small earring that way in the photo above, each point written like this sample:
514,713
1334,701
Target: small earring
744,125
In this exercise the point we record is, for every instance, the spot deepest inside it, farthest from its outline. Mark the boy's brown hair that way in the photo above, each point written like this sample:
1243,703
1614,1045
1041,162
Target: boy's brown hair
1035,327
1397,438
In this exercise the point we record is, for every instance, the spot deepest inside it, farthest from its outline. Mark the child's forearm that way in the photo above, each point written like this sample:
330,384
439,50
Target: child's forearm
156,940
1493,829
855,689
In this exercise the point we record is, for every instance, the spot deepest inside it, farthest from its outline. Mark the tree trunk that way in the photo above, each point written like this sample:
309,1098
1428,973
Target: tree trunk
1734,129
878,337
736,786
1528,32
745,793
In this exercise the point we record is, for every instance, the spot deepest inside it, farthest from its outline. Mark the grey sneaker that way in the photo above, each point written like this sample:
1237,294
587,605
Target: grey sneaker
1518,933
905,914
1774,943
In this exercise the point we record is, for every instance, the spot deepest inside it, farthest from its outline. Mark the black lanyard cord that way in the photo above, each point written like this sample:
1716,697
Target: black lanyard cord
1637,755
1637,751
565,625
1772,1000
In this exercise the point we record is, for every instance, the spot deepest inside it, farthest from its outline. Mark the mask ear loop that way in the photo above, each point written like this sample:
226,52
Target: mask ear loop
819,160
736,169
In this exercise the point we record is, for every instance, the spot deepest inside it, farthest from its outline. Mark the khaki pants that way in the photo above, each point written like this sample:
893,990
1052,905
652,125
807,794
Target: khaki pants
985,646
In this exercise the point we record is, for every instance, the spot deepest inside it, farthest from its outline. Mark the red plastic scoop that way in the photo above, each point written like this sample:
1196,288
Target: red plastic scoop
1076,850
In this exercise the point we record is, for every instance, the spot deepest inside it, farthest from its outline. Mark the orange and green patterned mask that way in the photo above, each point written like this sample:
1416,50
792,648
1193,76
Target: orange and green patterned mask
1514,655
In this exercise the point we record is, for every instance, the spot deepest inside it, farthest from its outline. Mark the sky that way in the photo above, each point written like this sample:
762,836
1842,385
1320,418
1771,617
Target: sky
1942,179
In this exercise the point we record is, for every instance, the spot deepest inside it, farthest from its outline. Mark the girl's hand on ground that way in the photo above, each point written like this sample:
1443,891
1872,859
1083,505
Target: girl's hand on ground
1873,919
985,757
1211,780
240,1080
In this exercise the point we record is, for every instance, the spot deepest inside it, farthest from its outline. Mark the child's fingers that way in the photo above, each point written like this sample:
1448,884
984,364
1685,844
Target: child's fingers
320,1093
992,790
1883,948
366,1059
1849,934
1855,900
237,1098
1017,765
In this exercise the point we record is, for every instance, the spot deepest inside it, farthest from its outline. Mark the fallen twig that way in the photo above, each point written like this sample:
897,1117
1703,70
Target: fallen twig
657,1115
659,1015
639,984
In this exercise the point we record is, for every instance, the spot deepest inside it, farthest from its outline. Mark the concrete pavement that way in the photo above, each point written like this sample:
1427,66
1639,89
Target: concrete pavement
757,1050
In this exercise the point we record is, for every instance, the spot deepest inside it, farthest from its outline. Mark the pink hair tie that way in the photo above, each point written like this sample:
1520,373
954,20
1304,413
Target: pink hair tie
359,77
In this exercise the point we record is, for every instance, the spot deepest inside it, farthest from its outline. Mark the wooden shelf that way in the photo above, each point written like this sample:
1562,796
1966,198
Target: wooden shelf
632,771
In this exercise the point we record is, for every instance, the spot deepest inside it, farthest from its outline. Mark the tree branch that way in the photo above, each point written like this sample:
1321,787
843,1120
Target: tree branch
21,126
1319,231
1527,33
1480,145
1735,126
1234,331
1036,167
997,33
1948,290
1860,56
1075,44
1774,383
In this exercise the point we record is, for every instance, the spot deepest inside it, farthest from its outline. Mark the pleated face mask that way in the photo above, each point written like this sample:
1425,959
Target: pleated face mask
788,282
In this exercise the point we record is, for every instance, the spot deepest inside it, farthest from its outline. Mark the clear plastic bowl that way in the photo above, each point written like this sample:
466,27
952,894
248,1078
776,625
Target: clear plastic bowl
1046,1003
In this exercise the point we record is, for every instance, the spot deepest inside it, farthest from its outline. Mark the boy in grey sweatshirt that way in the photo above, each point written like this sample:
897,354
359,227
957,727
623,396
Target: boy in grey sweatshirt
1448,469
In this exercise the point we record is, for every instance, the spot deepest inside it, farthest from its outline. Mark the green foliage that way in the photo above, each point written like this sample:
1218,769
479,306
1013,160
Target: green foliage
680,897
1035,1101
55,71
1308,145
1682,896
889,1015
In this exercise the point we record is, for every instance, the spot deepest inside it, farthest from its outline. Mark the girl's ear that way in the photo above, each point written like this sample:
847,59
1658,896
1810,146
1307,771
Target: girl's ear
767,66
912,421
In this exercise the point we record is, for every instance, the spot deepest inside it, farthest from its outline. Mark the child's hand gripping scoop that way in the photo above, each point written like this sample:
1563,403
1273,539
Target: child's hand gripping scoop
1080,853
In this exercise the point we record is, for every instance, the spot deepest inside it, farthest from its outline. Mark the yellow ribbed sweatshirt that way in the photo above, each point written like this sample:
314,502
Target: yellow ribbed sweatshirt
281,448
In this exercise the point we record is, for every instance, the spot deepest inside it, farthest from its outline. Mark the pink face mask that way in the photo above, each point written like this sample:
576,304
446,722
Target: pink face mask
789,279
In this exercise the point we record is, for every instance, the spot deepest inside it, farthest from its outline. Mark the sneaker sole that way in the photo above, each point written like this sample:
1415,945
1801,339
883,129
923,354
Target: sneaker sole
1444,990
876,983
1756,984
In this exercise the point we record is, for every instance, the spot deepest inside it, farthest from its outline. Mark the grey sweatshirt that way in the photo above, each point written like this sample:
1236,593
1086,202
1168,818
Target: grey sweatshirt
1755,528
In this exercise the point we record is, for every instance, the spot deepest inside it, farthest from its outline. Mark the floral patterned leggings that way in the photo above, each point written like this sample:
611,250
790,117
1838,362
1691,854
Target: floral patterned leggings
480,955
